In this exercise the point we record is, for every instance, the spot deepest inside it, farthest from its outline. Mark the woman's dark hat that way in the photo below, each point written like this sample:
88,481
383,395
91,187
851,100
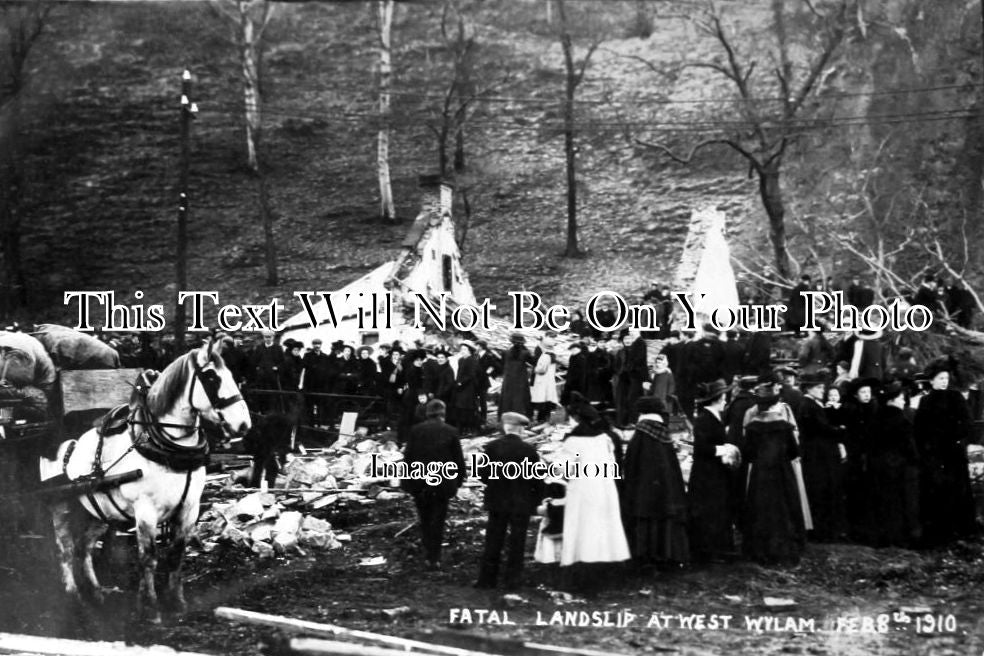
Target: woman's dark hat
937,366
892,390
517,338
812,379
708,392
858,383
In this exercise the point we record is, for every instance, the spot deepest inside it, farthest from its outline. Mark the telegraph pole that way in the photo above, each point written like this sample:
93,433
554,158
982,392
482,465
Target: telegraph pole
188,111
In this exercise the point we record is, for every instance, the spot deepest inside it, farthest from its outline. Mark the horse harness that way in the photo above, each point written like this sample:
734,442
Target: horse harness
153,442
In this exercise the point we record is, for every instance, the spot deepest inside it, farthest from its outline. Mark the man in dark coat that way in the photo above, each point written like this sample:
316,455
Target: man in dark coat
515,395
510,502
868,356
316,367
434,441
822,453
705,362
266,362
636,368
466,388
577,373
440,378
489,367
600,367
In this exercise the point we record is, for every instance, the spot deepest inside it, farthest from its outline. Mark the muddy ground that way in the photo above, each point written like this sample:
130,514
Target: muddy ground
835,586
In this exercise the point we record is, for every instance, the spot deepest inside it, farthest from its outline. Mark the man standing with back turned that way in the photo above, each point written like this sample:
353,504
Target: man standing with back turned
510,502
434,441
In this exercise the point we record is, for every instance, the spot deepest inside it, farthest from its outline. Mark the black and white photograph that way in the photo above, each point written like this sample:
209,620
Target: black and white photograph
491,327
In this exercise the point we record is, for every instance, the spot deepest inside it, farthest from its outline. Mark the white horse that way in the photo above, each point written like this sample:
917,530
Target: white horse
163,440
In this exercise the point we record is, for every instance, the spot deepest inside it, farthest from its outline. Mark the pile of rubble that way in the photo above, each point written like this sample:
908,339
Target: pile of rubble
260,523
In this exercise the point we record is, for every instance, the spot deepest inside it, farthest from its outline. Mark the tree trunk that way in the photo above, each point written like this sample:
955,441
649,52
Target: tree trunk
466,206
572,249
385,12
266,213
571,82
770,189
459,149
251,81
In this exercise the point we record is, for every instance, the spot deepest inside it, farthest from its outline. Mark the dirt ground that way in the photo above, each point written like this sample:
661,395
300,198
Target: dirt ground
835,586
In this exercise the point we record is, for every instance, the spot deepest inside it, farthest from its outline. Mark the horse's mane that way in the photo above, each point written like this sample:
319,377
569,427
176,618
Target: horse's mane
173,379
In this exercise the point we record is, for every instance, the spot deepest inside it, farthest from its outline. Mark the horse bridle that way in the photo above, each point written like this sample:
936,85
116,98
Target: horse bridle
211,384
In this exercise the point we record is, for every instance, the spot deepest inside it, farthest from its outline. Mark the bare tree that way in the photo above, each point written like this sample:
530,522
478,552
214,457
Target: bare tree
251,18
384,12
573,77
23,25
764,131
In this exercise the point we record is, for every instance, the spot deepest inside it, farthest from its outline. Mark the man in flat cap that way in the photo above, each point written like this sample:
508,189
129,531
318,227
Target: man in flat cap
510,502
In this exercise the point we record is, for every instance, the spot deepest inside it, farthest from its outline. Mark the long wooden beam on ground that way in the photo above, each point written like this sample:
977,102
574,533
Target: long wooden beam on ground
467,644
320,629
12,643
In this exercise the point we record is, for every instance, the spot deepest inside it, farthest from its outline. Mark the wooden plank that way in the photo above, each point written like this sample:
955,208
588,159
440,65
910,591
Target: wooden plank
319,646
93,389
510,646
319,629
11,643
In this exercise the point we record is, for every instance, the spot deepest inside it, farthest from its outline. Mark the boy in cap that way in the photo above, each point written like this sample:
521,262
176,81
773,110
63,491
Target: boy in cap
510,502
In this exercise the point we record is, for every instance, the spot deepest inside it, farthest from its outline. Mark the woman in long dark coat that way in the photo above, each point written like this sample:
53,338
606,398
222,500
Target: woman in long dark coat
773,527
942,428
860,416
515,395
466,388
822,446
893,470
711,478
442,379
654,500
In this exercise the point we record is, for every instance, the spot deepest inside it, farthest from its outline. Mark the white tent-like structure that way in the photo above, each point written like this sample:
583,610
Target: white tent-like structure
705,266
429,264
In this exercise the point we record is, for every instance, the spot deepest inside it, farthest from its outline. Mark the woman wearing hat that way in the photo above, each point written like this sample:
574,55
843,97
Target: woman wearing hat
466,388
893,472
368,372
823,454
515,394
860,419
654,497
773,521
709,493
942,430
593,532
543,392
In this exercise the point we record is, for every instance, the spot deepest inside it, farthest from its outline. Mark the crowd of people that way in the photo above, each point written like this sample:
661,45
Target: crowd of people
848,441
779,458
